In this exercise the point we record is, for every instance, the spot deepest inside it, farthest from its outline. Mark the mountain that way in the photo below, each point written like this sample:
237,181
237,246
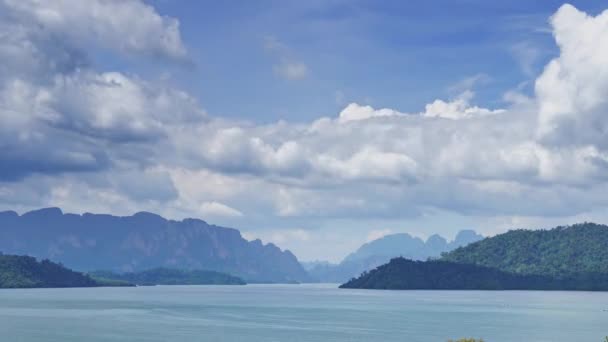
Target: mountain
380,251
168,276
411,247
580,248
564,258
26,272
339,273
309,265
404,274
143,241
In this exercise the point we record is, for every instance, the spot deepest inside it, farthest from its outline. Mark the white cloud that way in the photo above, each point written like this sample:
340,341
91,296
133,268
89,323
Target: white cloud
355,112
127,25
79,137
458,108
51,95
527,55
292,70
218,209
468,83
112,104
288,67
571,92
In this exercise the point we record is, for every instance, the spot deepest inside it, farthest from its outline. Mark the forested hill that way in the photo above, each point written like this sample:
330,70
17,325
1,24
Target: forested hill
404,274
382,250
168,276
562,251
26,272
563,258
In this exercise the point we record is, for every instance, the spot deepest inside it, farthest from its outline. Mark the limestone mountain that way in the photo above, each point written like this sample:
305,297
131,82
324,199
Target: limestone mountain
143,241
380,251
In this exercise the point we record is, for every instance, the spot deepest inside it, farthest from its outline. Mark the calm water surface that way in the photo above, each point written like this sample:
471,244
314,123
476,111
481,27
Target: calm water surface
298,313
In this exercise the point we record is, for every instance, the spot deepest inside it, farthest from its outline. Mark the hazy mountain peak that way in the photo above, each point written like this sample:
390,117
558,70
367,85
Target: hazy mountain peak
465,237
141,241
9,213
146,214
43,213
436,242
380,251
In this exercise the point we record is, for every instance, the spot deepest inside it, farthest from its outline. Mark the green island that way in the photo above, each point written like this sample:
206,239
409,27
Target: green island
22,271
169,276
17,271
564,258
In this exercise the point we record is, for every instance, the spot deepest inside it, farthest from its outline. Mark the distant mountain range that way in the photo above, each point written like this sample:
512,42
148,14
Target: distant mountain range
143,241
563,258
380,251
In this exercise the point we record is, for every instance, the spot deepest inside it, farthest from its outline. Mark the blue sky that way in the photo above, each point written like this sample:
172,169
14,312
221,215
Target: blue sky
396,54
316,125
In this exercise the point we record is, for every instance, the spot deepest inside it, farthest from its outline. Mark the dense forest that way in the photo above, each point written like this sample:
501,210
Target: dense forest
575,250
168,276
27,272
404,274
563,258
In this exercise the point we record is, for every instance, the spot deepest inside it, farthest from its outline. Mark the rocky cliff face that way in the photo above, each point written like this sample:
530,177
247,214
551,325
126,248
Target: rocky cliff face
142,241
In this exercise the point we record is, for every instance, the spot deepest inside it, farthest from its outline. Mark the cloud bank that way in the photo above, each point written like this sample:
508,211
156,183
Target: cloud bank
76,135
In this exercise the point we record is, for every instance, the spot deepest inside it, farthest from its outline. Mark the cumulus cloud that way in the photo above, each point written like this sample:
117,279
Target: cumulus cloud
79,137
571,92
130,26
459,108
58,113
355,112
115,106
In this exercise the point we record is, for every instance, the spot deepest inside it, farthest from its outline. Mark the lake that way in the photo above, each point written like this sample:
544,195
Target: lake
298,313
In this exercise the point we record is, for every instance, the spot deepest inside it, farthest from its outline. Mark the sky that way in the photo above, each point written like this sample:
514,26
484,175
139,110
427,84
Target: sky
316,125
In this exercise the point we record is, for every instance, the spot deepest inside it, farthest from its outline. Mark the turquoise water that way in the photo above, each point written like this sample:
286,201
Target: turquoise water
298,313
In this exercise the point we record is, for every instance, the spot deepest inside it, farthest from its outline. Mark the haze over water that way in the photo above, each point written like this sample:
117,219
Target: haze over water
298,313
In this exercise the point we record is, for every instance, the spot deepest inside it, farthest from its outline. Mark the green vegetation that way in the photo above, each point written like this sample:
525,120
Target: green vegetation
404,274
564,258
574,251
167,276
26,272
